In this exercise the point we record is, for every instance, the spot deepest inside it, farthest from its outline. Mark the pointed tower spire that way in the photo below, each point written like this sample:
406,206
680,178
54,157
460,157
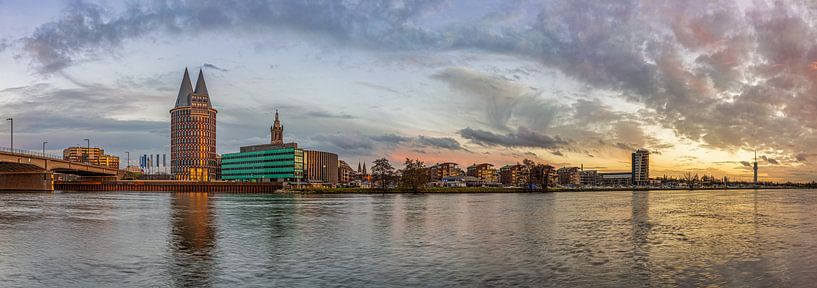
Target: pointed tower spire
184,91
201,87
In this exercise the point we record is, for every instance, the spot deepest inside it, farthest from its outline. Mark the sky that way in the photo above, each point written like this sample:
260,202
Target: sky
701,84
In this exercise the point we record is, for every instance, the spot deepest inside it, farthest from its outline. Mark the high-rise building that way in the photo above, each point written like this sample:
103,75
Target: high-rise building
193,133
277,131
92,155
641,167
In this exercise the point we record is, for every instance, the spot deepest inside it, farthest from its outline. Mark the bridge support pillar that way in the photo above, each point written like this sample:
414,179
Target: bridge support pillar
42,181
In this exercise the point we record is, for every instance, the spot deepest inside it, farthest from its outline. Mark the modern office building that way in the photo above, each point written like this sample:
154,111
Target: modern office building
484,172
193,133
92,155
641,167
264,163
321,166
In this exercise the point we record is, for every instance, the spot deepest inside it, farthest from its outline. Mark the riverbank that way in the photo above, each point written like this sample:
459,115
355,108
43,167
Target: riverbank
443,190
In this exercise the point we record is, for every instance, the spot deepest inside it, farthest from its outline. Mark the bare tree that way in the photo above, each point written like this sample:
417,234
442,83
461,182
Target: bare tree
691,179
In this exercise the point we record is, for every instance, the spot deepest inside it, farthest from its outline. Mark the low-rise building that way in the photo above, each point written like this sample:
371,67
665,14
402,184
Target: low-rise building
615,179
442,170
485,172
345,172
589,178
92,155
569,176
513,175
321,166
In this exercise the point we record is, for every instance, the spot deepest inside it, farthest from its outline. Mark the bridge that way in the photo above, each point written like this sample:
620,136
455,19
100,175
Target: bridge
22,170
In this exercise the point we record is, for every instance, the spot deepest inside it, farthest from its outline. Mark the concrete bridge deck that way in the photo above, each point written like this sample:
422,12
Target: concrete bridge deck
22,170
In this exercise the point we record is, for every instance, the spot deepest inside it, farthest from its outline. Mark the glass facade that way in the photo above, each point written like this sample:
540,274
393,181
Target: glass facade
282,164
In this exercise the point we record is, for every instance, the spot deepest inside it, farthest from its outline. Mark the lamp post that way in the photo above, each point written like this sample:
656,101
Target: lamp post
12,133
88,150
45,175
45,142
323,174
128,163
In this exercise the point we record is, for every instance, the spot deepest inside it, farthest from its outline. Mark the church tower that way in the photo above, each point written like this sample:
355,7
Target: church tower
277,131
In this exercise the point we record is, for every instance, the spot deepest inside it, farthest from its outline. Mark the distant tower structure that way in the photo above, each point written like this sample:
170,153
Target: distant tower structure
193,133
755,168
641,167
277,131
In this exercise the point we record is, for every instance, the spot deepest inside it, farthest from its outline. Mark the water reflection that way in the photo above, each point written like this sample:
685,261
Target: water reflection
641,231
192,240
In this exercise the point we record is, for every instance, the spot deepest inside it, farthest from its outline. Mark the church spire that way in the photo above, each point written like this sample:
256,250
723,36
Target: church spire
184,91
277,131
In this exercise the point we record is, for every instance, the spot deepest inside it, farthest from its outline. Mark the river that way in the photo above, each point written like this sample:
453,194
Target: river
614,239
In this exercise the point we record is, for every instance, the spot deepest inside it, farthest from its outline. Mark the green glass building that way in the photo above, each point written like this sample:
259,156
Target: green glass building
264,163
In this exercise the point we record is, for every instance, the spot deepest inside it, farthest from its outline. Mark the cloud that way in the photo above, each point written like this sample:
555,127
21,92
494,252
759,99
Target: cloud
214,67
441,142
390,138
523,137
502,101
85,29
378,87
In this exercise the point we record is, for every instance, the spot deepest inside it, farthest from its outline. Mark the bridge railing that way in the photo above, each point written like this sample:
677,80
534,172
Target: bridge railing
32,153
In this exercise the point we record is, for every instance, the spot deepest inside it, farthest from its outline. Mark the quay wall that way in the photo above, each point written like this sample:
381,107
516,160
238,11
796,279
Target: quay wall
169,186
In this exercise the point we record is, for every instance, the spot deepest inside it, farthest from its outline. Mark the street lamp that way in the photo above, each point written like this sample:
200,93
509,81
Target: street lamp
323,174
46,142
12,133
88,150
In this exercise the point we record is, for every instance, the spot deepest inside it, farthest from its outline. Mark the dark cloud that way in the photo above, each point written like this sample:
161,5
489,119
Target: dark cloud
745,163
522,137
441,142
214,67
391,138
770,160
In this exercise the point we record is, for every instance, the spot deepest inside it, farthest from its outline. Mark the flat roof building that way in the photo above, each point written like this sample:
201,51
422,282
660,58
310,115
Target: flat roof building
274,164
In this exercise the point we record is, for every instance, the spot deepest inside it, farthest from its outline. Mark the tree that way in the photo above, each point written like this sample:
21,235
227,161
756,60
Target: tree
529,166
691,179
382,171
415,175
